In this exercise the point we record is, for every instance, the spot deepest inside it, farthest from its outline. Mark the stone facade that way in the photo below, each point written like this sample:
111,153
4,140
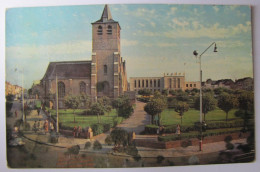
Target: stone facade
104,75
168,81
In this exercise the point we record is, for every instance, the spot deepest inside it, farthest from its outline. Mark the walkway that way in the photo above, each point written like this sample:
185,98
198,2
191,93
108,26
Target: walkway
137,121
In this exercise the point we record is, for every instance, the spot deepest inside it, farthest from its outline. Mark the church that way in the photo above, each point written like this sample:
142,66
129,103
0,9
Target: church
104,75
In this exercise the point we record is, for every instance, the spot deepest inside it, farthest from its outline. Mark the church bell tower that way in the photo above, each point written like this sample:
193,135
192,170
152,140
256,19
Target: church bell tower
106,63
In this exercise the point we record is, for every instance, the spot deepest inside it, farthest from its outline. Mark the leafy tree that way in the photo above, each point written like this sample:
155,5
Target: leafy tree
226,102
246,106
85,100
209,103
155,107
165,92
97,109
105,103
123,106
172,92
72,102
119,137
246,102
145,92
182,96
181,108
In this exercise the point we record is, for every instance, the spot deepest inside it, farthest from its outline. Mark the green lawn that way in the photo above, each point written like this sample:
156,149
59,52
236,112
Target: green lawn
66,117
170,117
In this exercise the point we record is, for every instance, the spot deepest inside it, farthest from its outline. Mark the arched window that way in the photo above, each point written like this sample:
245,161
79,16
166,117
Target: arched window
82,87
99,31
61,89
109,30
105,69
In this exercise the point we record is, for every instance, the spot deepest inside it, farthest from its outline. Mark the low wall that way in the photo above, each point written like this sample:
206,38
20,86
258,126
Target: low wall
70,133
194,141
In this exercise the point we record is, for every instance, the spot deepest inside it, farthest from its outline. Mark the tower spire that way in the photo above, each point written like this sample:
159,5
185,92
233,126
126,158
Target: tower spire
106,15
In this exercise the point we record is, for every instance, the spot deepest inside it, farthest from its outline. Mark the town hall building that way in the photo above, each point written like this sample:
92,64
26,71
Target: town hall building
104,75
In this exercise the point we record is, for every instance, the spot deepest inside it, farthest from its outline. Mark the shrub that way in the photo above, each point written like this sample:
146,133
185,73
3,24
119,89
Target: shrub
151,129
97,129
132,150
74,150
109,140
97,145
106,127
229,146
137,157
87,145
228,139
160,159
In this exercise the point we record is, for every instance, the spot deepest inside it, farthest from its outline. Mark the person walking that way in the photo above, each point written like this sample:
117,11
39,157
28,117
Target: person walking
74,131
15,113
79,131
46,126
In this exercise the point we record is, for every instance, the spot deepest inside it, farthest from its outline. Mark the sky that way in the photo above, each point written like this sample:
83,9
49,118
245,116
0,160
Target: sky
155,39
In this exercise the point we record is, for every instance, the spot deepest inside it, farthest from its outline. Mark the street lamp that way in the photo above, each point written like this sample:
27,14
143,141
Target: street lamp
195,53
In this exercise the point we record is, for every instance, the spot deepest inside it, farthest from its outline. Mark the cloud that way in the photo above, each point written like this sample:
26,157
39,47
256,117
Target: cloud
141,24
172,11
182,23
45,51
126,43
152,24
212,31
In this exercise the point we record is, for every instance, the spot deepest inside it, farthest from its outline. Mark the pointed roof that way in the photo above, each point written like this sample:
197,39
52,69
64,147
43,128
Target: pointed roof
106,16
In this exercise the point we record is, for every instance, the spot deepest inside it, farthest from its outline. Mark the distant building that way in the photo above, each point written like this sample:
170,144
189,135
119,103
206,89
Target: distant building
223,83
13,89
244,84
171,81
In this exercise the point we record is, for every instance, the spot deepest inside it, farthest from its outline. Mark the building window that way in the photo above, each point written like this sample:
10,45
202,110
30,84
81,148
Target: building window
190,85
109,30
143,83
154,83
105,69
179,83
99,31
194,85
170,82
151,83
82,87
61,89
174,83
139,83
135,83
159,83
187,85
146,83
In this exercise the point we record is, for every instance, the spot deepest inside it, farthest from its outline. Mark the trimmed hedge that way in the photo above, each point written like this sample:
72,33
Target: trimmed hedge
97,129
195,135
151,129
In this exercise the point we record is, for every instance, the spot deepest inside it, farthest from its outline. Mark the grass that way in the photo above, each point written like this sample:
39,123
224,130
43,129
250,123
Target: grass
170,117
66,117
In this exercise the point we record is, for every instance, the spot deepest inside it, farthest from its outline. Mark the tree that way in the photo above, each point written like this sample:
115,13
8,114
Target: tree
165,92
181,108
226,102
208,103
246,106
84,100
145,92
119,137
72,102
97,109
105,103
182,96
155,107
123,106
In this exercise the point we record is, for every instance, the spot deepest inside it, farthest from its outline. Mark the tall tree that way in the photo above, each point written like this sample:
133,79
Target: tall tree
209,103
97,109
72,102
181,108
226,102
155,107
123,106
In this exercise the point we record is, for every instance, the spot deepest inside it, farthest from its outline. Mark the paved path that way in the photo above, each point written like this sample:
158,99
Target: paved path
137,121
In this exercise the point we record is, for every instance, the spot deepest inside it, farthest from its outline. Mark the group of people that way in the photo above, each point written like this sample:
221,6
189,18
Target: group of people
77,131
47,126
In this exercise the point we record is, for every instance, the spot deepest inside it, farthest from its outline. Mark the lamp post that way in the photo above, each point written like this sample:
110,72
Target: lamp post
195,53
